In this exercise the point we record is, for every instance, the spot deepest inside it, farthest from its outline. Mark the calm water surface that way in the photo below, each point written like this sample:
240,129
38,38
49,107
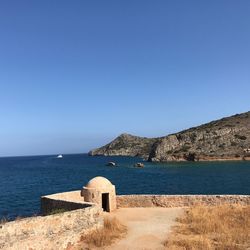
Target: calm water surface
24,179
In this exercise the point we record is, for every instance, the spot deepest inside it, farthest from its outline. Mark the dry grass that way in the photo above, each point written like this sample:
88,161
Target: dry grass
225,227
4,220
112,230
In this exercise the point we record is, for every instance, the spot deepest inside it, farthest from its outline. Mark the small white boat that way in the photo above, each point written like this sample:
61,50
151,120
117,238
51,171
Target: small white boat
59,156
111,164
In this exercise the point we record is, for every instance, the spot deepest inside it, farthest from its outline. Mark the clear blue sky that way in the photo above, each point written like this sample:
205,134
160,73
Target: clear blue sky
75,74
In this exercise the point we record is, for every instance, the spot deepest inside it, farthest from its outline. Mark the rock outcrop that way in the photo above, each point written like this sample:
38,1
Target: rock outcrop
126,145
224,139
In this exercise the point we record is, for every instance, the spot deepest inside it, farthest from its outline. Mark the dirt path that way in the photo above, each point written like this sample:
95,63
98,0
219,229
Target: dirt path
147,227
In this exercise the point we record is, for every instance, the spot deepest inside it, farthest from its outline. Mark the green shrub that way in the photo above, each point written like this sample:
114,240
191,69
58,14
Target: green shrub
57,211
241,137
185,148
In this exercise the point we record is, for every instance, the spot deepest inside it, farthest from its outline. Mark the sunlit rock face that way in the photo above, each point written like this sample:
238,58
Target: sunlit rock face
225,139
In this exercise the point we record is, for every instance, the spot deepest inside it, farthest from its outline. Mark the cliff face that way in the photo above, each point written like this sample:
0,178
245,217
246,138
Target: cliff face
126,145
225,139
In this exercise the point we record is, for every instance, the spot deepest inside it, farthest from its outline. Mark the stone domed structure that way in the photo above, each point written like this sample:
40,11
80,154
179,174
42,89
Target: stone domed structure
100,191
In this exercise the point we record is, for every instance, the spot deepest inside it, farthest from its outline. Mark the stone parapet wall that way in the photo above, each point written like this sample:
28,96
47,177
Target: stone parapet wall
50,205
49,232
63,201
179,200
55,231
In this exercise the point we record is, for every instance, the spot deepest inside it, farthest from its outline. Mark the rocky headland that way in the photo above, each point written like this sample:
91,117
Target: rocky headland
224,139
127,145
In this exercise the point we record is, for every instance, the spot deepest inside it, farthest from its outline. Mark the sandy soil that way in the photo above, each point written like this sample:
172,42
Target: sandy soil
147,227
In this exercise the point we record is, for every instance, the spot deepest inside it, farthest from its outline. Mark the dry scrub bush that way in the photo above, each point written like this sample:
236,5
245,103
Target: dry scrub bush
225,227
112,230
3,220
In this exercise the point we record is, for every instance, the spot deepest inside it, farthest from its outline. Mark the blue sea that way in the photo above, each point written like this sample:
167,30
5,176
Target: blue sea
24,179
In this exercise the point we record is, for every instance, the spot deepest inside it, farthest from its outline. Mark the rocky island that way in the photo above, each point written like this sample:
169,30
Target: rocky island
224,139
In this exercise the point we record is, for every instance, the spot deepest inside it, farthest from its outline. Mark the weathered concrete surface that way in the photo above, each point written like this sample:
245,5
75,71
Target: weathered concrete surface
179,200
147,227
51,232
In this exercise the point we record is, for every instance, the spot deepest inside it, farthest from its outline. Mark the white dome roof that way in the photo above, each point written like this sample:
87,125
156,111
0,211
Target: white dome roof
98,183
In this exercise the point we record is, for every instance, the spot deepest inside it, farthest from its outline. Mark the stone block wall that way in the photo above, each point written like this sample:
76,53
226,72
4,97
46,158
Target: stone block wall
63,201
179,200
55,231
49,232
49,205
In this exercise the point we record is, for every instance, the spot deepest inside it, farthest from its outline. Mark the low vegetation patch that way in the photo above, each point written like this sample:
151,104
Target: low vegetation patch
113,229
241,137
57,211
225,227
3,220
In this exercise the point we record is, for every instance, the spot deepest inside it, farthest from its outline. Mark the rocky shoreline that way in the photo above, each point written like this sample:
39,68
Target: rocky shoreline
227,139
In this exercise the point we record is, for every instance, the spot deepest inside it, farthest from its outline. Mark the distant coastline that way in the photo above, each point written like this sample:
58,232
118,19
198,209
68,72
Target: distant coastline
227,139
